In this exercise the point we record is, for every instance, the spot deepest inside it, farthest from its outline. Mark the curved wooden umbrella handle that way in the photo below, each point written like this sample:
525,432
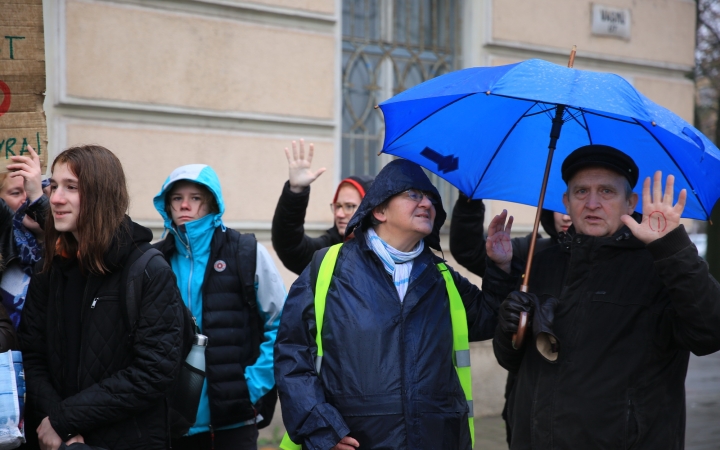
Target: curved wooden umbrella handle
517,339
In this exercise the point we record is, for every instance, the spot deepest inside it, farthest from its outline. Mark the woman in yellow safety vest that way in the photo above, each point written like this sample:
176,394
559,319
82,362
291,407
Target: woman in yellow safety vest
394,372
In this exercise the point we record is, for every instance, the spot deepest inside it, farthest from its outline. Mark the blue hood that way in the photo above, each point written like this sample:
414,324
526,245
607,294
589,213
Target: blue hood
198,173
397,176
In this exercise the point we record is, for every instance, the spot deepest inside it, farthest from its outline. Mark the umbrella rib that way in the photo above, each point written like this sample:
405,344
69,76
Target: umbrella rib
632,122
676,165
587,127
499,147
543,111
574,116
428,116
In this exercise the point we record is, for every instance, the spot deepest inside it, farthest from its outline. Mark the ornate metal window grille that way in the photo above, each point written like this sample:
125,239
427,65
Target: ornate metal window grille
390,46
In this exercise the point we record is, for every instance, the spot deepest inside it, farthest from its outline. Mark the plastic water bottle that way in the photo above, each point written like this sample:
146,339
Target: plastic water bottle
196,357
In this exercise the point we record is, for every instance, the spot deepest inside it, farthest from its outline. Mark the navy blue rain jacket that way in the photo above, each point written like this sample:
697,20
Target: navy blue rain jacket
387,377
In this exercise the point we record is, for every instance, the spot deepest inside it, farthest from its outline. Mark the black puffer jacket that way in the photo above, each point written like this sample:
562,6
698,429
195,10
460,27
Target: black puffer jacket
227,321
293,246
121,382
627,318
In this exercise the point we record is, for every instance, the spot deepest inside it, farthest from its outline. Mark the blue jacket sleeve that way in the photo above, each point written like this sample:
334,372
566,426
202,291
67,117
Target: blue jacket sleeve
270,292
307,416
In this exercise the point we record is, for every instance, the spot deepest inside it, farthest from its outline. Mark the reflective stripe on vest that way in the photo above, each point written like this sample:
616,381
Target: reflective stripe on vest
461,345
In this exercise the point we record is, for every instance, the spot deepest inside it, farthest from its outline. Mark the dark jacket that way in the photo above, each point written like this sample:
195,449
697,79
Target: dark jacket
8,253
387,376
293,246
227,321
467,236
627,318
37,211
121,380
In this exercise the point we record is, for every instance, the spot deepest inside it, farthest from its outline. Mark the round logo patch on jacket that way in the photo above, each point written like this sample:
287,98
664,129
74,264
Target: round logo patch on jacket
220,265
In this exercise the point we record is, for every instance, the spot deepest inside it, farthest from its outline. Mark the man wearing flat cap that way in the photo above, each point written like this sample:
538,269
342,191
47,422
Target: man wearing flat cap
614,313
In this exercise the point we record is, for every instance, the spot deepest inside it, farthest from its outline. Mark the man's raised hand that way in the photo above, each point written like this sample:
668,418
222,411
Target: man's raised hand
659,215
498,245
300,174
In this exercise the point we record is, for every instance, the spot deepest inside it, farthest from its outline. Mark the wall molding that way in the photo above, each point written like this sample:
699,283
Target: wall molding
241,11
82,108
591,60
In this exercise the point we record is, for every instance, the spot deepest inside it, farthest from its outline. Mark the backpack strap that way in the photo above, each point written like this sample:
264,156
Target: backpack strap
315,262
322,284
247,266
461,344
131,283
322,267
245,246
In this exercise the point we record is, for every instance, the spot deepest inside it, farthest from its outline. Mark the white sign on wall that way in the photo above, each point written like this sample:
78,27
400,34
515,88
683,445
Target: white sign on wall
609,21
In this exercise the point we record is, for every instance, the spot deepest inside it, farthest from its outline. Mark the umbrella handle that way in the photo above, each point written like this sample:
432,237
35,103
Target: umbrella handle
517,339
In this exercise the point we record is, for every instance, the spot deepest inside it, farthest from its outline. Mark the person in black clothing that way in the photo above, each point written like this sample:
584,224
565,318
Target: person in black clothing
21,202
467,234
467,245
293,246
617,310
91,376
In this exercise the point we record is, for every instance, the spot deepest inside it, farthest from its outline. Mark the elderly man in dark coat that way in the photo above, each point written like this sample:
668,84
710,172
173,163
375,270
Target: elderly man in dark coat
617,310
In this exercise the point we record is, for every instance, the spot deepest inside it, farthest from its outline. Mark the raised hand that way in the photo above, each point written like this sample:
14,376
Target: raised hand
300,174
29,168
659,215
497,245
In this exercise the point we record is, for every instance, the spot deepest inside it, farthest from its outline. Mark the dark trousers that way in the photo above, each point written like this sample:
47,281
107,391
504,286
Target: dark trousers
243,438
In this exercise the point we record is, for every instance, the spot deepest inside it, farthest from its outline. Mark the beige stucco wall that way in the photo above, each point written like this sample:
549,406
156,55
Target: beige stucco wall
132,54
659,30
252,168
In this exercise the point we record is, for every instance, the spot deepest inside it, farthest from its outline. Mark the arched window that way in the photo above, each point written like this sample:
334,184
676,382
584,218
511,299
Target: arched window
389,46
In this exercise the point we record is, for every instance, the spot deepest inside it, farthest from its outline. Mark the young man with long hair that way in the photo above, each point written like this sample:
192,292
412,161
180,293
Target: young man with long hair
93,377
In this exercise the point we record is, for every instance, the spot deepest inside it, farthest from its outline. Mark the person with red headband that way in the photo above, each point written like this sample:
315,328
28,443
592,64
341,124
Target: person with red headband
295,248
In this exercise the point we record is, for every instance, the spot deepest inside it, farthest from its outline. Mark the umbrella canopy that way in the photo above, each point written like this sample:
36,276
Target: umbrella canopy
486,131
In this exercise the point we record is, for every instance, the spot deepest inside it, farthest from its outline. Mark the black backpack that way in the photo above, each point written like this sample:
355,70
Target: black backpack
132,282
180,416
246,248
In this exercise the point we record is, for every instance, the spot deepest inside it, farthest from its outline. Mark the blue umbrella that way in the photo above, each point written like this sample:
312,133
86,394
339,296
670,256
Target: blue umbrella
486,130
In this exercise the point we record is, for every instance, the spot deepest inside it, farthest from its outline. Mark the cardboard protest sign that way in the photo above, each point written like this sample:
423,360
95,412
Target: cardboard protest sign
22,80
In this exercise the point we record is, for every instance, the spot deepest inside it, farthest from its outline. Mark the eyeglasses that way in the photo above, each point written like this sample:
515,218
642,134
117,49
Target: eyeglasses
348,208
417,196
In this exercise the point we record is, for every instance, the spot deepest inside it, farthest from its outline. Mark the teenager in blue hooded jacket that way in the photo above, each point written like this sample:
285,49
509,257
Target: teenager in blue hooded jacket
387,379
206,257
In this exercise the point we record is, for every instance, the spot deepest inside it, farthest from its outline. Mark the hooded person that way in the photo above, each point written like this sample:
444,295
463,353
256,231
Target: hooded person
387,378
295,248
214,265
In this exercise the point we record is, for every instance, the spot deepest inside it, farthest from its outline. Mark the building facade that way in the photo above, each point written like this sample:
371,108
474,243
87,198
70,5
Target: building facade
230,83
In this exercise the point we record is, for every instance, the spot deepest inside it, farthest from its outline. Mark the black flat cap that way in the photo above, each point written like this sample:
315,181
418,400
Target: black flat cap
600,156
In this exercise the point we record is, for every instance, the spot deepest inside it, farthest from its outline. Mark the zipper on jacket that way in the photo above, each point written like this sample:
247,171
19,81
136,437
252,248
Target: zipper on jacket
82,326
95,300
192,263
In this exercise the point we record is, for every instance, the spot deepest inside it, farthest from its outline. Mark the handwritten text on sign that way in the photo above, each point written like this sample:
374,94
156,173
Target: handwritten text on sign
22,80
